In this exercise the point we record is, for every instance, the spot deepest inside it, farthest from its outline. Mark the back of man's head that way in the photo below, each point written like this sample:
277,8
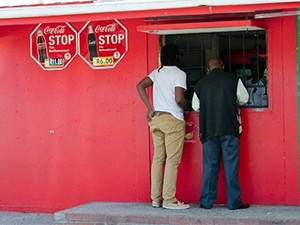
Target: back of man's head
169,55
215,63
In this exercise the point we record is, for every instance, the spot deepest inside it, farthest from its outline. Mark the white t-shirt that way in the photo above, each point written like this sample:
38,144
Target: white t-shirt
164,83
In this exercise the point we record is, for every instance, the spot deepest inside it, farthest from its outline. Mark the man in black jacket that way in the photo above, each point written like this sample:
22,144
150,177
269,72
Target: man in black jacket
219,94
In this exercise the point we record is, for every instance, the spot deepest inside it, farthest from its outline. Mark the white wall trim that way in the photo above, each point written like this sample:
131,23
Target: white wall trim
106,6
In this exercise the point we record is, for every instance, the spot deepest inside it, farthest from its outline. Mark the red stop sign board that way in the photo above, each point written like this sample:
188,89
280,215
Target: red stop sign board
102,44
53,46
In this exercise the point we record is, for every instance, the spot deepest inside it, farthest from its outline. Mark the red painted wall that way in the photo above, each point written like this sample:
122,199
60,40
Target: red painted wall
101,147
270,154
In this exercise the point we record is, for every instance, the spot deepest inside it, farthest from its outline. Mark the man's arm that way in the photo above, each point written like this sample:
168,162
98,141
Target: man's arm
180,100
141,88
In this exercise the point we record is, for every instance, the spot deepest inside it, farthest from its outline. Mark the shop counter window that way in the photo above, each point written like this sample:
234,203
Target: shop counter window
244,53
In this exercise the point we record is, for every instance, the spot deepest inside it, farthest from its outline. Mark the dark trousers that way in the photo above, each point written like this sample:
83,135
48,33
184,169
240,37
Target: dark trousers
228,145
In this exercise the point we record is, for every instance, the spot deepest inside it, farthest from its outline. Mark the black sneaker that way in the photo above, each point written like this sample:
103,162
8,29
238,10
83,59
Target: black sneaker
242,206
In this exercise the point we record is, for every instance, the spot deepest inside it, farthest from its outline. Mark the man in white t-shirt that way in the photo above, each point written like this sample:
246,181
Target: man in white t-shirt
167,126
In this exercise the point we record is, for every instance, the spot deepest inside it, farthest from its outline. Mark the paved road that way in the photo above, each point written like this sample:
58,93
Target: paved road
16,218
259,212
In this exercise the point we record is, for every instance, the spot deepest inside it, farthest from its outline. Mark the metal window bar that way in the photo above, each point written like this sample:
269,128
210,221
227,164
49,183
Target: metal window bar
244,51
229,52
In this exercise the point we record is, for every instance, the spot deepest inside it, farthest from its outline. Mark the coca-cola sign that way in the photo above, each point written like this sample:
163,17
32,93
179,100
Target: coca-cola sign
53,46
103,44
55,30
108,28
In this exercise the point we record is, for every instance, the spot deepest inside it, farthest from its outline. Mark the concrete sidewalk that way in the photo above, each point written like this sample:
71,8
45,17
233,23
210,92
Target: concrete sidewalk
107,213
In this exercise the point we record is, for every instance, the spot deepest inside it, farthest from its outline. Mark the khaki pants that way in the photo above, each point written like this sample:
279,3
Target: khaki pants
168,136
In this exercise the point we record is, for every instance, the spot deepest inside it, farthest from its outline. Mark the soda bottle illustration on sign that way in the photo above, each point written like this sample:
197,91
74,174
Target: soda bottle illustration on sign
42,47
92,44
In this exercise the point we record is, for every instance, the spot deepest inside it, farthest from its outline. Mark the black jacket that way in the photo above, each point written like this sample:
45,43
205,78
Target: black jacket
218,104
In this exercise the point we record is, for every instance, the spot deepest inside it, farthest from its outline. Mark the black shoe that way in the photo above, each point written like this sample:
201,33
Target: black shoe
242,206
204,207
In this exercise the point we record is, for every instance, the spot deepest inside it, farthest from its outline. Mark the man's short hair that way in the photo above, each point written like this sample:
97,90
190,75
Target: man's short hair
169,55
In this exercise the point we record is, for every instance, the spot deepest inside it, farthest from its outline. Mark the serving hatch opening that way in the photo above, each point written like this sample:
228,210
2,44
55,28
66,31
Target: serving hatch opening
236,42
